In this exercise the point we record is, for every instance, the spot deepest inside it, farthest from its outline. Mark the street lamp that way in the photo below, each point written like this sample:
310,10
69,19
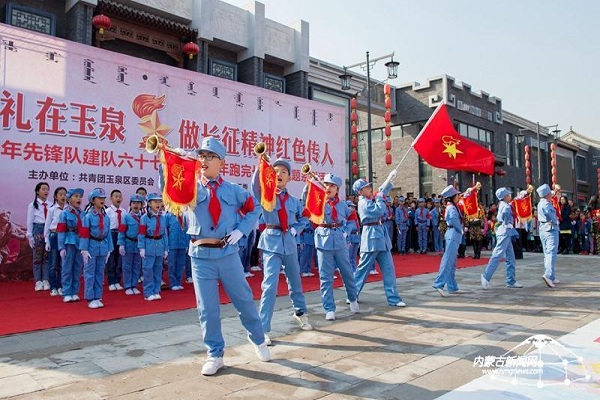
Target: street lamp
392,68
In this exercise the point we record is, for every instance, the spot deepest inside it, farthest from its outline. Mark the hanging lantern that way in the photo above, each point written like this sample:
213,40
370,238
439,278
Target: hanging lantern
191,49
388,122
354,137
101,22
553,164
527,166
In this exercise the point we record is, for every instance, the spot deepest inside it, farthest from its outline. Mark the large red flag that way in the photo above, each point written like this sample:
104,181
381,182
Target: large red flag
441,146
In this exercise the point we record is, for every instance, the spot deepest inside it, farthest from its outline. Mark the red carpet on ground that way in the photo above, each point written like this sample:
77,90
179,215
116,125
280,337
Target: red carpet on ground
24,310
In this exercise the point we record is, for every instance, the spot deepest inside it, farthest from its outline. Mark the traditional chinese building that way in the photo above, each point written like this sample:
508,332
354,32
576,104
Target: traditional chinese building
208,36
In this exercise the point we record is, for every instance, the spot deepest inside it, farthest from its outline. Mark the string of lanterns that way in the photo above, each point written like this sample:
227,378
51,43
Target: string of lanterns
388,123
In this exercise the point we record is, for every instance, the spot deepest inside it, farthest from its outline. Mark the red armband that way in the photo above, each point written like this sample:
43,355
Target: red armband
61,227
142,230
261,227
122,228
248,206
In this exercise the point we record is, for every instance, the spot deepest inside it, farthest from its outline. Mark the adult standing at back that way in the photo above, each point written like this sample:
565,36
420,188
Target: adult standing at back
504,233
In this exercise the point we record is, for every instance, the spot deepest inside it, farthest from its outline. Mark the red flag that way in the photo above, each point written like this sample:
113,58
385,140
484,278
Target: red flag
441,146
268,184
315,203
180,174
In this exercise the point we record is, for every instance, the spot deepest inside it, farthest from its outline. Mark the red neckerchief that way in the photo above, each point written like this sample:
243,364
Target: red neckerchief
135,216
77,215
332,203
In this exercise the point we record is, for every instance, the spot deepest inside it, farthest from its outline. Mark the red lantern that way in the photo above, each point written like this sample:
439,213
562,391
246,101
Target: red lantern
388,131
553,162
191,49
527,149
101,22
526,156
388,116
355,170
388,145
527,164
354,129
388,103
527,172
354,142
354,155
553,171
553,146
353,103
353,116
528,180
388,158
387,89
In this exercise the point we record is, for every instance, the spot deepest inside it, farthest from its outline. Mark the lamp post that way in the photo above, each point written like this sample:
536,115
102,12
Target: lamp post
392,67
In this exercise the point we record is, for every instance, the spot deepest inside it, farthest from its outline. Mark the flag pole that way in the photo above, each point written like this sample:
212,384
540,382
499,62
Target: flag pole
419,135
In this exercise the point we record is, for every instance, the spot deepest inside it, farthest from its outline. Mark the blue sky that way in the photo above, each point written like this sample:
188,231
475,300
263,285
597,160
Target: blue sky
541,58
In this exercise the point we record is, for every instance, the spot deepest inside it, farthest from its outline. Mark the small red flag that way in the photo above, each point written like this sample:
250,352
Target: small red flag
522,208
441,146
470,205
268,184
180,174
315,203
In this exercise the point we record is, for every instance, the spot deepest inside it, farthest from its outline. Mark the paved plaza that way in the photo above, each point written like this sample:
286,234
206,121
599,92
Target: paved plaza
423,351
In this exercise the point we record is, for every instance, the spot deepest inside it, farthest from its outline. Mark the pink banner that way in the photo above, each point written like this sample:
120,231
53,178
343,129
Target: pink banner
77,116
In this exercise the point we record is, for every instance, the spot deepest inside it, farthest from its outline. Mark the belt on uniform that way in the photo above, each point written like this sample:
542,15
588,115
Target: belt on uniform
154,237
71,229
209,242
98,238
269,226
133,239
332,226
373,223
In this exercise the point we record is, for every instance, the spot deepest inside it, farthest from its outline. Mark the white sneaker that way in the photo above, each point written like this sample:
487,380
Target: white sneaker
118,286
151,298
248,274
261,350
556,281
176,287
354,307
162,283
373,272
112,287
348,301
60,291
54,292
100,303
303,320
516,285
129,292
304,274
485,284
75,297
548,281
39,286
189,280
157,297
256,268
268,340
93,304
212,365
67,299
330,316
46,285
136,291
400,304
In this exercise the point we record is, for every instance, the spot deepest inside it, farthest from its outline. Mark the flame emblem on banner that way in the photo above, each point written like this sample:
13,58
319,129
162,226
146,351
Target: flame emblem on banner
146,107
